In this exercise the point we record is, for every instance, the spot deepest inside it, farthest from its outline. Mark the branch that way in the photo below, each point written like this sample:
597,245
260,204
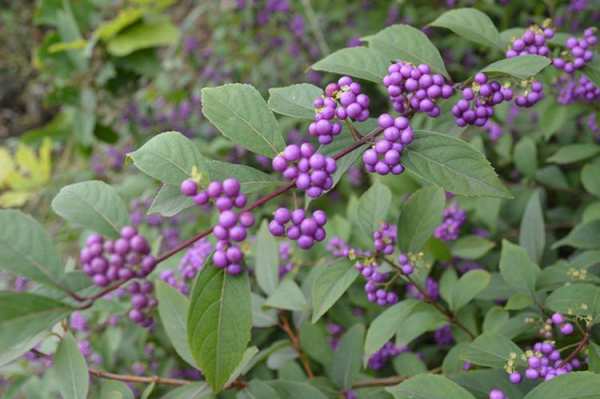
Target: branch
138,379
285,326
439,307
261,201
379,382
584,341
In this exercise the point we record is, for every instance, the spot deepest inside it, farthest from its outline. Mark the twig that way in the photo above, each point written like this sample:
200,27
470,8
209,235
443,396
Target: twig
584,341
439,307
261,201
138,379
396,379
285,326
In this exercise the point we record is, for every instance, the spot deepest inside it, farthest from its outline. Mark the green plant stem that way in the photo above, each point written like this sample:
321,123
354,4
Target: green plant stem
314,26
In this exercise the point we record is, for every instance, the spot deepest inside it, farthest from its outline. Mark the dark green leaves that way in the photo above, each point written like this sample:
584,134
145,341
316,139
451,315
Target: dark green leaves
420,215
453,164
360,62
471,247
403,42
576,385
373,207
517,269
219,323
522,67
471,24
329,285
93,205
173,309
589,178
295,101
532,235
242,115
26,249
24,320
348,357
168,157
287,296
169,201
492,350
71,369
266,260
574,153
429,386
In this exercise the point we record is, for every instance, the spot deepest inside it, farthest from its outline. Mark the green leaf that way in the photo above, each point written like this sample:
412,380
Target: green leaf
574,153
24,321
287,296
481,382
169,201
525,156
173,308
251,180
27,250
583,236
385,325
471,247
296,390
262,317
141,36
522,67
589,178
258,389
423,318
518,301
575,385
420,215
84,118
330,285
348,356
453,164
532,234
93,205
266,265
198,390
123,19
219,323
576,299
403,42
359,62
71,369
114,390
517,269
471,24
314,340
373,207
168,157
429,386
592,70
409,364
555,116
295,101
495,318
492,350
467,287
241,114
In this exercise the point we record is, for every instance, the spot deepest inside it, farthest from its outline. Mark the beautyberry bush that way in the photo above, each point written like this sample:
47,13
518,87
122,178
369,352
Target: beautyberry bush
423,222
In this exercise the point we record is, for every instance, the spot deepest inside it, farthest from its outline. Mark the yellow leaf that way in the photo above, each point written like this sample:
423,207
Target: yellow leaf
125,18
12,199
45,160
6,164
26,160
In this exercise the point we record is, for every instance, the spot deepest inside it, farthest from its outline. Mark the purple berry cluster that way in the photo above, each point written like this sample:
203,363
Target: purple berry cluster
544,361
414,88
431,288
497,394
384,238
298,226
579,52
311,170
342,100
232,225
493,130
560,322
405,264
477,103
384,156
167,228
378,360
285,259
572,89
190,264
532,93
107,261
454,218
142,302
532,42
375,287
